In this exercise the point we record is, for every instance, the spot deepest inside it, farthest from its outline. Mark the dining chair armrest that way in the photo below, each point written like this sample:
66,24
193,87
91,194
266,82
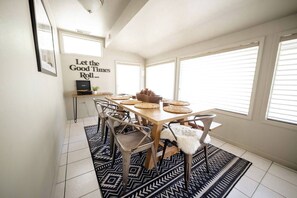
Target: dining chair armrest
135,127
206,119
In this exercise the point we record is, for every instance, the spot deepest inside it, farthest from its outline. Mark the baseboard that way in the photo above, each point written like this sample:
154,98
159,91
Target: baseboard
258,152
61,143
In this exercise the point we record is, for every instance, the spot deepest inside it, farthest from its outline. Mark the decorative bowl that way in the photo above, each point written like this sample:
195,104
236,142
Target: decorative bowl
150,99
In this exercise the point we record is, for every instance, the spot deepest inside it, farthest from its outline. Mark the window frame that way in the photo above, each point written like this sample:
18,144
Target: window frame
175,85
141,74
80,36
226,48
286,35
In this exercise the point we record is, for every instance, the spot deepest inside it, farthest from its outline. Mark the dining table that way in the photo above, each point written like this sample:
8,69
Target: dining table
158,117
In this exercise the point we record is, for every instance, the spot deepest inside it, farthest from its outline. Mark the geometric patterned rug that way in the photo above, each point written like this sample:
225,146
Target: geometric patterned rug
225,170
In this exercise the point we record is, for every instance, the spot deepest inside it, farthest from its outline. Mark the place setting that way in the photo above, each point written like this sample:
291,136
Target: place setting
120,97
130,102
176,106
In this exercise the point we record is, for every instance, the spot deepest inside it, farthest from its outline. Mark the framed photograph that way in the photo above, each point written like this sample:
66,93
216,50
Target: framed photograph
43,38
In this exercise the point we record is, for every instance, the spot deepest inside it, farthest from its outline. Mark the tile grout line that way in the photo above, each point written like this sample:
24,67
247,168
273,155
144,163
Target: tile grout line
260,183
79,175
66,163
76,161
80,160
78,150
262,179
88,193
224,143
280,177
245,176
242,192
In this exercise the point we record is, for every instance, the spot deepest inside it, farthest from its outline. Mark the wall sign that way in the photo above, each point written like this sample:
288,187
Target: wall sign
87,69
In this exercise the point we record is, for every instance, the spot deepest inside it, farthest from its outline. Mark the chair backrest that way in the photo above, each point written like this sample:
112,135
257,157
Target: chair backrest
119,124
205,119
97,103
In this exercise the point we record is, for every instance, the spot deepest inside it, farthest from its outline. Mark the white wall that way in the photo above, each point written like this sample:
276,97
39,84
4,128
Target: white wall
269,139
106,80
32,113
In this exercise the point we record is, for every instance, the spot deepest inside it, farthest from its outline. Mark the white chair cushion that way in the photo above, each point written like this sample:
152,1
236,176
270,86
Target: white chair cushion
187,138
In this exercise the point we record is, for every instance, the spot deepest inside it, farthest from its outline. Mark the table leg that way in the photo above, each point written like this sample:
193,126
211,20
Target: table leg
149,163
74,102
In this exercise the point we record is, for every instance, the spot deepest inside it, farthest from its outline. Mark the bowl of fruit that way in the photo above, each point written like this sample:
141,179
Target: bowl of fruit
146,95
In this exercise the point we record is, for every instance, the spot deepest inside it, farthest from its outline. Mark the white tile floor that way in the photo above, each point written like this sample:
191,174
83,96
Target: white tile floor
77,178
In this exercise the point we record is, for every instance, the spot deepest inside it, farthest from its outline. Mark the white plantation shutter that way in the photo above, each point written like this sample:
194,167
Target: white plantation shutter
128,78
283,99
224,80
165,72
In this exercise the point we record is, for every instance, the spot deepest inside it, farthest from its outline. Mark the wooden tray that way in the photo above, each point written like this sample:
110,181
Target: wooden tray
146,105
177,109
130,102
120,97
178,103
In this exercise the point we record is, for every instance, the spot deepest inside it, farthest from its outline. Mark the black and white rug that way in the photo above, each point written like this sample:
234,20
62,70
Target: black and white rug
225,170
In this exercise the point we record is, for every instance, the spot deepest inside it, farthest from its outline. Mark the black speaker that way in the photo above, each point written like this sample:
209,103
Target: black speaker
83,87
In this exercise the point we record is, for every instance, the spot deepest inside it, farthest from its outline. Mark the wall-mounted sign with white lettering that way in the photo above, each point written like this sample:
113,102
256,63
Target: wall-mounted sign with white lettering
87,69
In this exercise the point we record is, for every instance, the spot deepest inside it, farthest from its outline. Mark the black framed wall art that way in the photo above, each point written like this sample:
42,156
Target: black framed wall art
43,38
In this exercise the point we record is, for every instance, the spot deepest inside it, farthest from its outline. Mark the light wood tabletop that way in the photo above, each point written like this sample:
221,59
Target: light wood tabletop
158,117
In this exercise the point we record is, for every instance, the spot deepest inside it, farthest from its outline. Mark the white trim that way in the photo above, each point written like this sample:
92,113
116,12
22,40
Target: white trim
256,77
157,63
81,36
258,41
128,64
164,62
254,150
225,48
270,80
160,62
176,85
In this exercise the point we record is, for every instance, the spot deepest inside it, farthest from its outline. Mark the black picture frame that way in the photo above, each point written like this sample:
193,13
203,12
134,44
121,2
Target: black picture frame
43,38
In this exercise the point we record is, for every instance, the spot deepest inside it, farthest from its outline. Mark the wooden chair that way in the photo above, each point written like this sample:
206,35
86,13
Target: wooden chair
129,138
188,139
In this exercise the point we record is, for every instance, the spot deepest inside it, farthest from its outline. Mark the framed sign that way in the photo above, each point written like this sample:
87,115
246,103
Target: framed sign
43,38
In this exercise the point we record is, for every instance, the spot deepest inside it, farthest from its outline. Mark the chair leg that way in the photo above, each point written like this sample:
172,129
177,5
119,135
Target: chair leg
111,144
114,151
105,135
102,129
187,169
126,165
164,149
154,158
98,127
205,148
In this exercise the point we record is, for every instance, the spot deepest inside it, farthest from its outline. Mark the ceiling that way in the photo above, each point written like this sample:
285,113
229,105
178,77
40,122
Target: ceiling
70,15
159,26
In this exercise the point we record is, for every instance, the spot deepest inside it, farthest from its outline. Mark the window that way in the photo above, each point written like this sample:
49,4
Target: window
128,78
223,80
165,72
76,44
283,99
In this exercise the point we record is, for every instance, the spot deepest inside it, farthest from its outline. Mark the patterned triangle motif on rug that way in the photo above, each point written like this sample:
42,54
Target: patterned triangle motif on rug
225,169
